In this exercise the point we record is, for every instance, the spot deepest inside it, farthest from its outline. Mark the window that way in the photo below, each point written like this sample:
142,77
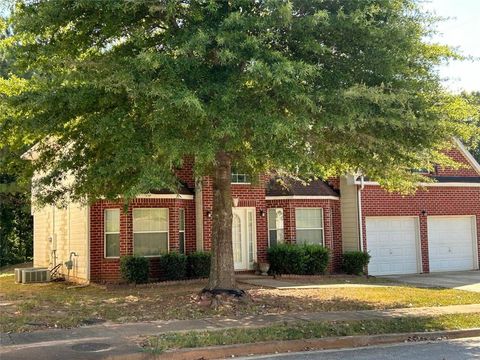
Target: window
309,223
239,178
275,226
112,233
181,230
150,232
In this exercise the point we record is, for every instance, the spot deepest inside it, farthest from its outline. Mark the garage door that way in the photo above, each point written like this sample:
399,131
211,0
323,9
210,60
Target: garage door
392,243
451,243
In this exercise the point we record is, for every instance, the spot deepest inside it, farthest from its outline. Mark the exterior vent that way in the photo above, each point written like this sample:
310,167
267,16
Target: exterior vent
18,273
35,275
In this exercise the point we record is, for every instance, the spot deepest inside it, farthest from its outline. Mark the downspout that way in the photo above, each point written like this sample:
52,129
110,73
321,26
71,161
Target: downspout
87,216
199,213
360,215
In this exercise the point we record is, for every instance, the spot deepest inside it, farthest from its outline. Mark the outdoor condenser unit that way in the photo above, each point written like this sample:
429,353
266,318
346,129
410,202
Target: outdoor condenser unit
35,275
18,273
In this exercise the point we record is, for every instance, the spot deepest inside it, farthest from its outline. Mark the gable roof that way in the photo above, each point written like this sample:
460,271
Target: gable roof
471,160
291,187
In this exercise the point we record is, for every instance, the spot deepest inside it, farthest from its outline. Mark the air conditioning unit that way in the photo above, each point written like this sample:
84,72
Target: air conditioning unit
35,275
18,273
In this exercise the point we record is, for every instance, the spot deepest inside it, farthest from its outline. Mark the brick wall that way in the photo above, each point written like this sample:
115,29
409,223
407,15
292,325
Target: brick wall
108,270
331,220
466,170
433,200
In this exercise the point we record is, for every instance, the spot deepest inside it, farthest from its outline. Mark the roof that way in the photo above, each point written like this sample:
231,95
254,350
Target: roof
457,179
182,190
291,187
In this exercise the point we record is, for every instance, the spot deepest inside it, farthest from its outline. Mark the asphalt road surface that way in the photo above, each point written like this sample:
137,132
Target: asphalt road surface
459,349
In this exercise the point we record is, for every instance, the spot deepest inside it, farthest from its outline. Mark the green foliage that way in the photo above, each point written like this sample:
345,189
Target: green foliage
127,89
173,266
198,264
134,269
16,225
316,259
354,262
286,259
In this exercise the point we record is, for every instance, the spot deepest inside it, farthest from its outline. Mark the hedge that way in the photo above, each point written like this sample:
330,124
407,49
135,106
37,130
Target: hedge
354,262
298,259
173,266
134,269
198,264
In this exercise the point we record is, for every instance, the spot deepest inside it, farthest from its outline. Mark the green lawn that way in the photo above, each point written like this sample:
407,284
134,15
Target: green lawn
37,306
193,339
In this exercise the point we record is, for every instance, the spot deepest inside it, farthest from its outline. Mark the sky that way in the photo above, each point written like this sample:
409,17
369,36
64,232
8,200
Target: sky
461,30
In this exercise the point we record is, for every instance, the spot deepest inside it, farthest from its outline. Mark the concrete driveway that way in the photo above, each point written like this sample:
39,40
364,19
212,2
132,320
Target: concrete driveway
461,280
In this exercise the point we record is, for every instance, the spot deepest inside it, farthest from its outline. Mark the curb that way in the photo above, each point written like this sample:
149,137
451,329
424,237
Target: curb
274,347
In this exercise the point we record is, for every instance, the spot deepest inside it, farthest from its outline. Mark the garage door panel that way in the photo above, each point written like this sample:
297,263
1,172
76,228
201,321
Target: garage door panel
451,243
392,244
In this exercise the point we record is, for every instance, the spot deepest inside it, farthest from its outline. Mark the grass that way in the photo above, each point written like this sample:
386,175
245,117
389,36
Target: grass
311,330
39,306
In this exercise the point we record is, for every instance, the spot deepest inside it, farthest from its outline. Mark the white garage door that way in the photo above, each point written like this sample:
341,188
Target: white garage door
451,243
392,243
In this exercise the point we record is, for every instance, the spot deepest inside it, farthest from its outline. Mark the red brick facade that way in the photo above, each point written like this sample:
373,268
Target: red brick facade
435,200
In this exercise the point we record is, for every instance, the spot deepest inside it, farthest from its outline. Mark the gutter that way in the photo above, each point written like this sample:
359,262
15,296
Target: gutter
359,212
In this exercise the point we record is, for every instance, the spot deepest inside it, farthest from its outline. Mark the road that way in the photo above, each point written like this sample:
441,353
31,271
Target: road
459,349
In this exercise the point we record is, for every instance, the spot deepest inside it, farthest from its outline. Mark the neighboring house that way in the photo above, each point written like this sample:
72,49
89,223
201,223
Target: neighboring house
437,229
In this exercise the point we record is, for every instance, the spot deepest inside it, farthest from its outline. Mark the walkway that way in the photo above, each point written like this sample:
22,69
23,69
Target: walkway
126,334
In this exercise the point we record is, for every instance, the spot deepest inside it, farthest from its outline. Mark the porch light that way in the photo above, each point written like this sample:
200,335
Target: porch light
209,214
235,202
262,213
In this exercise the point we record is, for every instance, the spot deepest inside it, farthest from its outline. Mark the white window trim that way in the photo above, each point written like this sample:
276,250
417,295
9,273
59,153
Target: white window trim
105,233
238,182
151,232
323,222
303,197
276,229
184,231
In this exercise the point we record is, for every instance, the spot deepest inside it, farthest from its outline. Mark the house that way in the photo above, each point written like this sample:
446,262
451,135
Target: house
436,229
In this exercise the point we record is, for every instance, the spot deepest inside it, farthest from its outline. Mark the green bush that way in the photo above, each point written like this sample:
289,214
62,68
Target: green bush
198,264
173,266
316,259
354,262
286,259
134,269
298,259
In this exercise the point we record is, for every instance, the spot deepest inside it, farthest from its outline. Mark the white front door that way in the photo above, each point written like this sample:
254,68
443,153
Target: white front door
244,238
451,245
393,244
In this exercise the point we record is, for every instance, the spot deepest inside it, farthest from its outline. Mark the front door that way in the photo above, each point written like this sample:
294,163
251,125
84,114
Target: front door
243,238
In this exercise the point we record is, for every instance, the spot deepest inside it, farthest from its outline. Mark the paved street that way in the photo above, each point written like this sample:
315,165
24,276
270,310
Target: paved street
459,349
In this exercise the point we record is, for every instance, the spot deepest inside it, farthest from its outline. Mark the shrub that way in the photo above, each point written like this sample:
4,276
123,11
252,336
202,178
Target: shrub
316,259
354,262
286,259
134,269
173,266
198,264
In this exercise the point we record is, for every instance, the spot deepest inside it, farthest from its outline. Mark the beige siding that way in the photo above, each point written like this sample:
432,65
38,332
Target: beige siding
59,232
349,211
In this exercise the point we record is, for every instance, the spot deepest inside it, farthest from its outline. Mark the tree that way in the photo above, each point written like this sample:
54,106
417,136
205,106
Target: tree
474,144
121,91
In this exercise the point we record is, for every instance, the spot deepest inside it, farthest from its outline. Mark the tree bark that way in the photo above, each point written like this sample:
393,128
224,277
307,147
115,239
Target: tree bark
222,274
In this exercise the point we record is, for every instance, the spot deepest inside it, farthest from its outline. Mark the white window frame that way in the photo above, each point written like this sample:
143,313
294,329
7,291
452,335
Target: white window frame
151,232
323,223
236,174
276,229
105,233
182,231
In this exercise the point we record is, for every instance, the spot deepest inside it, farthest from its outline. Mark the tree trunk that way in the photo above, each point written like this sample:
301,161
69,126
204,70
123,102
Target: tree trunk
222,274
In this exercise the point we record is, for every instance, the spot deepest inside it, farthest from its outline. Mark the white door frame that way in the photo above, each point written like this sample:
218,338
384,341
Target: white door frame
473,219
418,248
242,213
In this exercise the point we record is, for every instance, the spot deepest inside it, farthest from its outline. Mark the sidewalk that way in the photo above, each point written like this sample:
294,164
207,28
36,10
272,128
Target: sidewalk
123,337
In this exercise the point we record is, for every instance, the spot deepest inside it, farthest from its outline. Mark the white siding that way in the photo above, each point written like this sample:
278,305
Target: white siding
64,230
349,211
